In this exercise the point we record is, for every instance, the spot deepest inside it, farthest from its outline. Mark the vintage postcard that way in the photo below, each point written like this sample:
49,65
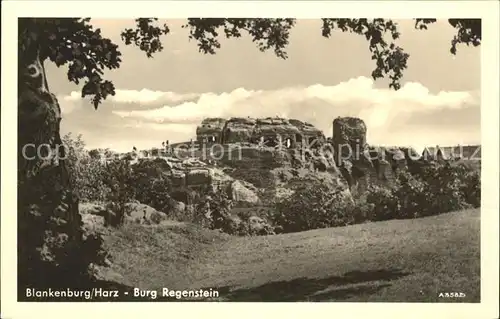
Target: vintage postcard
166,155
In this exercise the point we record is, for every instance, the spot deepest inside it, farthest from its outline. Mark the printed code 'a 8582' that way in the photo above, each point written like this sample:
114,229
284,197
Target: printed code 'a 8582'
451,295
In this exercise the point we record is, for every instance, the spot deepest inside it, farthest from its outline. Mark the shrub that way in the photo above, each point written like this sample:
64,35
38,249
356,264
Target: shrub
86,170
156,218
437,188
252,225
313,206
412,195
383,203
154,192
362,211
151,185
471,188
118,177
445,183
434,189
213,211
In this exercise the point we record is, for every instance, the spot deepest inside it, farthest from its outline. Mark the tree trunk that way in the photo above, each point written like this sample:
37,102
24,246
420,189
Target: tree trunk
52,248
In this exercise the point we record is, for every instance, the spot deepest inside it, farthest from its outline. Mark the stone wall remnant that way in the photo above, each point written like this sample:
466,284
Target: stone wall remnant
273,131
349,136
309,133
210,130
238,130
267,131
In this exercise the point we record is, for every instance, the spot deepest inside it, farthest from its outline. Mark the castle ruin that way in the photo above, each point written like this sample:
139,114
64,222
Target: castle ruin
268,131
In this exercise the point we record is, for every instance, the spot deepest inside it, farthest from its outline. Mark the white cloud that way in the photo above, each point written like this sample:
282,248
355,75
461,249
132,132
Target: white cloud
148,96
143,96
358,97
385,111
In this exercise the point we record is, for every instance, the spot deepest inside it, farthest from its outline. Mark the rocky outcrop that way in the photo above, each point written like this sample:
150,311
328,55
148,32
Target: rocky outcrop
243,192
210,130
362,164
274,131
94,215
251,154
198,177
379,165
349,137
193,175
247,157
238,130
267,131
190,173
308,133
141,213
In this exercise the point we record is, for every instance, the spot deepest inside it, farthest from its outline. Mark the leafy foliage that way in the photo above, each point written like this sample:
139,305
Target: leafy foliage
411,193
118,181
86,170
146,36
250,225
383,203
471,189
437,188
214,211
447,184
54,249
313,206
266,33
151,186
468,31
390,59
74,42
119,178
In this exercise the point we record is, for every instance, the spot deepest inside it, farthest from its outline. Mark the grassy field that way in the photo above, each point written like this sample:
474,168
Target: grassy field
399,260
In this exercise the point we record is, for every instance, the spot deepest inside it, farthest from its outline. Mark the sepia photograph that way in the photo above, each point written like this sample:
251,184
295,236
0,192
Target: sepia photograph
257,159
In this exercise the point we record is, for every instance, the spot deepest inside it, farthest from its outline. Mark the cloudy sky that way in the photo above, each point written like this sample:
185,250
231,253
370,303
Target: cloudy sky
167,96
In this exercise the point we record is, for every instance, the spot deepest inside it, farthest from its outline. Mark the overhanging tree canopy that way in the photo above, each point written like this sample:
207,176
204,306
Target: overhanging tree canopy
75,43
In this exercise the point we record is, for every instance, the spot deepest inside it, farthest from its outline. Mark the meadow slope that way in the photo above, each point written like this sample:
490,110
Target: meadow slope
398,260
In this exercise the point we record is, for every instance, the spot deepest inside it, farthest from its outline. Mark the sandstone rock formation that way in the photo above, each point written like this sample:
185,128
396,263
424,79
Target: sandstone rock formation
94,223
268,131
94,215
349,136
362,164
309,133
193,175
210,130
141,213
238,130
243,192
183,173
256,170
273,131
252,156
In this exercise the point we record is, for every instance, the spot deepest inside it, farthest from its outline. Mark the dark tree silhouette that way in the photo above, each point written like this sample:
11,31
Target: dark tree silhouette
468,31
53,248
